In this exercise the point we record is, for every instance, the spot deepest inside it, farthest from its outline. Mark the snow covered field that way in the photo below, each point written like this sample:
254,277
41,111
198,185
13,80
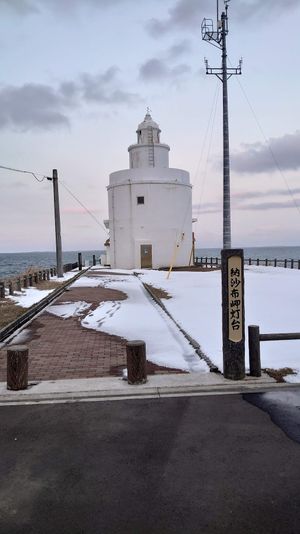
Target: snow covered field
272,301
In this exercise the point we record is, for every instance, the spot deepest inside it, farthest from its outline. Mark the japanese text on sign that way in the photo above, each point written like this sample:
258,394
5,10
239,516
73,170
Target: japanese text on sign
235,297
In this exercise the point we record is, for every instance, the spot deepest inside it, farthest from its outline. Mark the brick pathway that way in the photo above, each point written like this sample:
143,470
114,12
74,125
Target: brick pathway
61,348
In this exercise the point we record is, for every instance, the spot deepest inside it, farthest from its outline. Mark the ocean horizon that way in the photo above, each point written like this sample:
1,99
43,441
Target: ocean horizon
14,263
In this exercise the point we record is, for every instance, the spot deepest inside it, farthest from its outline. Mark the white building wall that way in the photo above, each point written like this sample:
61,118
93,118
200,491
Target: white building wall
140,158
164,220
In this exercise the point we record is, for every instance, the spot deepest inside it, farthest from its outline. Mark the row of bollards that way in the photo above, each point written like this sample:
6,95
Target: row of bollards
17,365
34,278
27,280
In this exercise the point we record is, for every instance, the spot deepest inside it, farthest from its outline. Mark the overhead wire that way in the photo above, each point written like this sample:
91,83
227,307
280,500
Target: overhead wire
207,137
212,127
44,177
83,206
34,174
276,163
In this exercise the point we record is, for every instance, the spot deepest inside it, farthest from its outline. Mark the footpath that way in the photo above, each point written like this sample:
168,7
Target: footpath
68,361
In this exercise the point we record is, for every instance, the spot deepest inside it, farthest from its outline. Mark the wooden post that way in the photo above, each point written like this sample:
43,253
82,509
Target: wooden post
2,290
233,314
51,271
54,271
47,274
94,260
18,284
25,282
292,264
136,362
250,261
257,261
17,367
266,262
275,262
254,350
36,278
58,245
285,264
298,264
30,280
79,261
10,288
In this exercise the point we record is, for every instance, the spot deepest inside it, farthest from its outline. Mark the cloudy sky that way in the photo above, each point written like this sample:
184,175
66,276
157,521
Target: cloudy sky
76,79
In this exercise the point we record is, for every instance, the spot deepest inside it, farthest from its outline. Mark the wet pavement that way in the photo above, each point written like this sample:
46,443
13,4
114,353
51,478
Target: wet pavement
214,464
283,407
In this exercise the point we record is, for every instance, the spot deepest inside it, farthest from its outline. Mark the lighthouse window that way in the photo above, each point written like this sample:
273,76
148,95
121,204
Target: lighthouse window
140,200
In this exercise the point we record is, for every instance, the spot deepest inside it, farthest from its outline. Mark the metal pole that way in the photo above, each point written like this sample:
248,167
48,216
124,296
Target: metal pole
226,163
57,225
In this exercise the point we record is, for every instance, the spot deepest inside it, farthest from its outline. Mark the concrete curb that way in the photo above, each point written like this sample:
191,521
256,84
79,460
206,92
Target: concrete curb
110,389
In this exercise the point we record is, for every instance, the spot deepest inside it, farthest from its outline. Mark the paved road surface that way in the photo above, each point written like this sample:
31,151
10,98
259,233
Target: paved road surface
215,464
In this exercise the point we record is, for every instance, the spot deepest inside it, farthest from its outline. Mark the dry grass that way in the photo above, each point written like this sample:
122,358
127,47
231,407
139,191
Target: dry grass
9,311
47,284
158,292
279,374
30,270
194,268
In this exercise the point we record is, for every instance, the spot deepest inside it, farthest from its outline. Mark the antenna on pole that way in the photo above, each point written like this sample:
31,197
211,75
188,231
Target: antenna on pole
233,346
217,37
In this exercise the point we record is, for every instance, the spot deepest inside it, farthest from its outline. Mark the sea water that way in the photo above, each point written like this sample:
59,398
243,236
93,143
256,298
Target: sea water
262,253
12,264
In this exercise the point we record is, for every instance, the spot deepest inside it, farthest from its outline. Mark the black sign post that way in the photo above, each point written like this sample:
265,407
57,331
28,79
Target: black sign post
233,313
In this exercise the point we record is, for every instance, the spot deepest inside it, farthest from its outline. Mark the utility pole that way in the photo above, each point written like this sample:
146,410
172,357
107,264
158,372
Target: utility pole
218,39
233,309
59,265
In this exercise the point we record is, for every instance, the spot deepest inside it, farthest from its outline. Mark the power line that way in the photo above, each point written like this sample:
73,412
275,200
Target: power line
83,206
269,146
34,174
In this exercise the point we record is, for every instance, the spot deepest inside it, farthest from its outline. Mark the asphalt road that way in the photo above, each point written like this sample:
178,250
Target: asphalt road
215,464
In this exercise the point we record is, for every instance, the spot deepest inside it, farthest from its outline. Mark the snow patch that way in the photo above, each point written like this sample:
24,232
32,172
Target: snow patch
69,309
30,296
137,318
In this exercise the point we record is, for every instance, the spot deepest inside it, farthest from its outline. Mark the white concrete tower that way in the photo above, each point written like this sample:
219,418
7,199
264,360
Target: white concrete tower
150,206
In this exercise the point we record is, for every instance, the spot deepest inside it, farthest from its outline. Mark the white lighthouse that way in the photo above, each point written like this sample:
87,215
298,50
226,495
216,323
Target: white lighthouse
150,207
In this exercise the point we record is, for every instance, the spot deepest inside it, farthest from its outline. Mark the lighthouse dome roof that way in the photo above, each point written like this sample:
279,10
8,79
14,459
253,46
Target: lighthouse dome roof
148,122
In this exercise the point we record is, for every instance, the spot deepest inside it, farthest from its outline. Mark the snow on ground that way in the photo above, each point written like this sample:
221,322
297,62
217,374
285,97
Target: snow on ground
65,277
32,295
137,318
69,309
272,301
